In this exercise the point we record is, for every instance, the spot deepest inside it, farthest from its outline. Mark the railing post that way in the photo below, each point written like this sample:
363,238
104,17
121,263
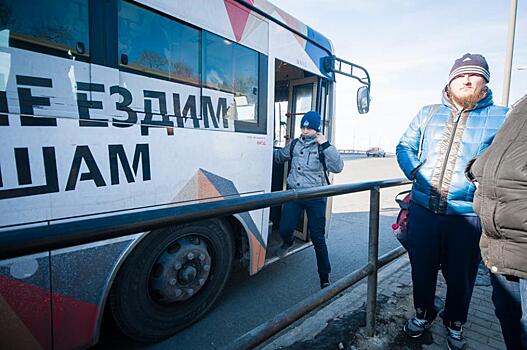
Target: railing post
373,256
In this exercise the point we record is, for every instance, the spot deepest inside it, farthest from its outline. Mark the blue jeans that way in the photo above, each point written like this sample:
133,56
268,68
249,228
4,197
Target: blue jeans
449,243
316,219
509,296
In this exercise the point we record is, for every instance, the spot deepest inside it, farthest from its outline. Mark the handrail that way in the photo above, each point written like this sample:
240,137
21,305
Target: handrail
56,234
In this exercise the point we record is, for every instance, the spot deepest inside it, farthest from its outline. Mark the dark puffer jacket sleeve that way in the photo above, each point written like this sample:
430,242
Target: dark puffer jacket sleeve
501,198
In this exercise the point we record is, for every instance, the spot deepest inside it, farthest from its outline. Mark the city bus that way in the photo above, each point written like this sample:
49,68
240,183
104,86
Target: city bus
121,106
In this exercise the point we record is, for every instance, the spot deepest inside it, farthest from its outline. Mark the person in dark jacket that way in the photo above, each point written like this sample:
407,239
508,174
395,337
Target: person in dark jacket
500,174
443,230
307,170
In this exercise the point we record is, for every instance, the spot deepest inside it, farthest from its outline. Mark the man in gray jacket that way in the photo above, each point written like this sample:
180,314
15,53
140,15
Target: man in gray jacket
500,175
311,155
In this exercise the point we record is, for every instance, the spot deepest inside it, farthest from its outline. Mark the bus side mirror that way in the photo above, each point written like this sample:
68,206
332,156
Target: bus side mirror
363,99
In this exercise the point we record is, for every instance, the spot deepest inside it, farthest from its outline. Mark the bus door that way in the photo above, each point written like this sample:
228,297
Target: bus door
295,94
302,94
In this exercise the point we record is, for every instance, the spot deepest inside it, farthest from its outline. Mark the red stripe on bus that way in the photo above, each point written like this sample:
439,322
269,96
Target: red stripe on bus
74,320
31,305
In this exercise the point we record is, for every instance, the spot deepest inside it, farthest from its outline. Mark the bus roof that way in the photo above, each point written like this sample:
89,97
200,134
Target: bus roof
288,21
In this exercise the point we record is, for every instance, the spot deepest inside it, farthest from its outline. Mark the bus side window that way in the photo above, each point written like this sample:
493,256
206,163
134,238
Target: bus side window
229,74
232,68
158,45
57,27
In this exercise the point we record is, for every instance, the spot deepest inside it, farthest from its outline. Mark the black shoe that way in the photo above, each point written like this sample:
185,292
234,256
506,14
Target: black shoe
283,249
324,281
417,325
455,339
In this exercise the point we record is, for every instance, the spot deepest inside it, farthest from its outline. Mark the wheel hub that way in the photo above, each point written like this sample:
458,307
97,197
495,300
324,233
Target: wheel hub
187,274
180,271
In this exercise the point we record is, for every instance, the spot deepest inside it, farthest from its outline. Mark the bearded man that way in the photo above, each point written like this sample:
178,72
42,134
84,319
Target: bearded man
443,230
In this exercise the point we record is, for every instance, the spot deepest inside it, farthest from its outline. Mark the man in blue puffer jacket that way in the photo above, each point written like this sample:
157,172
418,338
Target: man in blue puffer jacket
443,230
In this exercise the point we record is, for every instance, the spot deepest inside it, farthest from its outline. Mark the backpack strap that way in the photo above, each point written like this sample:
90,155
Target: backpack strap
322,158
431,112
291,148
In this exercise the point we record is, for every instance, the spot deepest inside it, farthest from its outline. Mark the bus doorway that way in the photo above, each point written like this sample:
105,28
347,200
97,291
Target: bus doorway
295,94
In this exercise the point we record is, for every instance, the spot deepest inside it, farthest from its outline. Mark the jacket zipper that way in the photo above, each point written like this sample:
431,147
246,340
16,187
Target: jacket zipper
445,162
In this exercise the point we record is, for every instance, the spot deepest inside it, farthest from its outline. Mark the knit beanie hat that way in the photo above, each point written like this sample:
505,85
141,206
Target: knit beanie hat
468,64
311,120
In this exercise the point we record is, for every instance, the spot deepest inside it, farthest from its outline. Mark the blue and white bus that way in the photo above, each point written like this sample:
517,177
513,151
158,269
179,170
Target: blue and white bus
118,106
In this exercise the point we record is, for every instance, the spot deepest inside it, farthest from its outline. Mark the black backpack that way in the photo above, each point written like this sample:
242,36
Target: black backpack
321,156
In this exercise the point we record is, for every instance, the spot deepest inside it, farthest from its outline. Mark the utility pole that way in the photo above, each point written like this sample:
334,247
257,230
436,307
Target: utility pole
510,50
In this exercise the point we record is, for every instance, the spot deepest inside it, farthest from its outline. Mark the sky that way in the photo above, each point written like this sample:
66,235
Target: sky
408,48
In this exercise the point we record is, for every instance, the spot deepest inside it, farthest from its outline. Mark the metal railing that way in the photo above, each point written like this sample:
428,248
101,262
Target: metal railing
57,234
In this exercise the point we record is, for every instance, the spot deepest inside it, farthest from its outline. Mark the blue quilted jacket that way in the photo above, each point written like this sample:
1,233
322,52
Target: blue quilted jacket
451,139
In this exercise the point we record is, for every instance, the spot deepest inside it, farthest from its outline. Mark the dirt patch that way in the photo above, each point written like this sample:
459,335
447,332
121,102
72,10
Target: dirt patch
347,332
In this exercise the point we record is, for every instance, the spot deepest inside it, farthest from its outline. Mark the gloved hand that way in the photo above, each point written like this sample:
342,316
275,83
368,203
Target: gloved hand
320,138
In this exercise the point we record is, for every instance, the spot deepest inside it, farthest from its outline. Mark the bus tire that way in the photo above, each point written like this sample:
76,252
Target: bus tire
171,279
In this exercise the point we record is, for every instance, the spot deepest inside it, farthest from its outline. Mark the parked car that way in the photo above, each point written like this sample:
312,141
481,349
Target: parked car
375,152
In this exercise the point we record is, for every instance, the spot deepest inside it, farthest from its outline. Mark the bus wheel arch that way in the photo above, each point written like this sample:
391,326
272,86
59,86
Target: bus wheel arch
171,279
253,247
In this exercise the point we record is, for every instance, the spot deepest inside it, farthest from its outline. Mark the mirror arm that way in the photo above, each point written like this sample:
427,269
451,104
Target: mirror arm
329,66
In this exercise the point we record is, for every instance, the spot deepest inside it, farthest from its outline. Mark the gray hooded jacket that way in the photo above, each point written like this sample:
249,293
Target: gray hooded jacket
307,170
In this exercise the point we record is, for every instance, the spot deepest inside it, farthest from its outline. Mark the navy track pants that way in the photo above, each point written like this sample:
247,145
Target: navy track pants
449,243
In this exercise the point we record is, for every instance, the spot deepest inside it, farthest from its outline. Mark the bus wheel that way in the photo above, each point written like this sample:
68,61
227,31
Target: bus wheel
171,279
